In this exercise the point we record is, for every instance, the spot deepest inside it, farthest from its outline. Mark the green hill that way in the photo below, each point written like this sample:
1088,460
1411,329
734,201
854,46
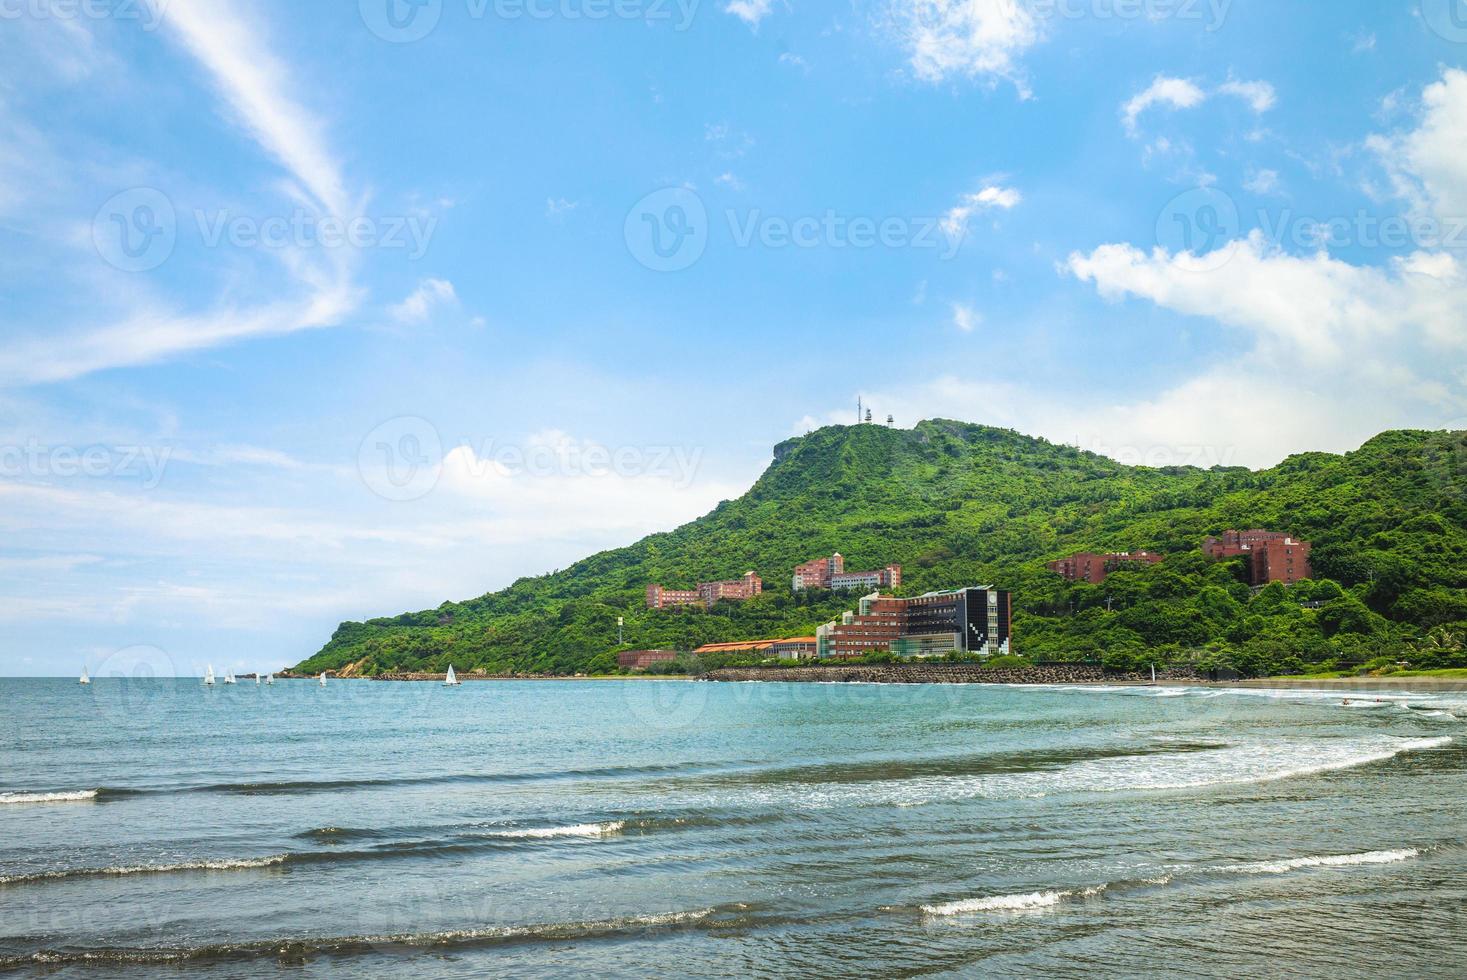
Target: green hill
960,504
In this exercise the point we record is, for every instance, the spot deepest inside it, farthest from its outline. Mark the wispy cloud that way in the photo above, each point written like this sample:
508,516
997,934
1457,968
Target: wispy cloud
1176,93
966,38
1260,96
430,295
990,197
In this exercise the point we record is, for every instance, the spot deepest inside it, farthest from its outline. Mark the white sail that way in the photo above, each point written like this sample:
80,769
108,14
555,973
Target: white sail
86,678
269,678
452,679
209,677
229,677
257,679
323,678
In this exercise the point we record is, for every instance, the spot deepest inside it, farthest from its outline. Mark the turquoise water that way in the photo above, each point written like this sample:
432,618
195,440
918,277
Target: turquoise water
654,828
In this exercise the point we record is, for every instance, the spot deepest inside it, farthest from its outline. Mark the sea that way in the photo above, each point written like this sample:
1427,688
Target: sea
676,828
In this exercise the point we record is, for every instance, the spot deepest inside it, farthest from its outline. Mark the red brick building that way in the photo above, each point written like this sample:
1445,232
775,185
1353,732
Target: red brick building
706,594
1092,568
642,659
830,573
1272,555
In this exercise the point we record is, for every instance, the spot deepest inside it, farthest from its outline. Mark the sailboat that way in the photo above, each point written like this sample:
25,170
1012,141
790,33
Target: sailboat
452,679
85,677
323,678
269,679
209,677
257,679
229,677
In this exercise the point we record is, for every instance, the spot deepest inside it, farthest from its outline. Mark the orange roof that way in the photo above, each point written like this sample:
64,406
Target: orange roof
751,645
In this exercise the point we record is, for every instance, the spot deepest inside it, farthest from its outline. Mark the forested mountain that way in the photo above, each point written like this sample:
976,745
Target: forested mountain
960,504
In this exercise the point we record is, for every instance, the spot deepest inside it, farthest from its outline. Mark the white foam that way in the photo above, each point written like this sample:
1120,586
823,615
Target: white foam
998,903
579,830
1325,861
224,864
75,796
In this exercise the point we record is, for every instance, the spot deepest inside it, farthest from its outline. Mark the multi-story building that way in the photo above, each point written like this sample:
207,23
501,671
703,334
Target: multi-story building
1093,568
830,573
660,598
1272,555
706,594
642,659
977,620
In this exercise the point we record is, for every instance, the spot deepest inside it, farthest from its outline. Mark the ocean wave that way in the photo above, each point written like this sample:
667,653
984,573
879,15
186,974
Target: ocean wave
1255,761
608,829
221,864
296,949
65,796
1324,861
998,903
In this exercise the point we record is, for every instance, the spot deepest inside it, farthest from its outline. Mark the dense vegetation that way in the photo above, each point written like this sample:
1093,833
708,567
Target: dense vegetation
961,504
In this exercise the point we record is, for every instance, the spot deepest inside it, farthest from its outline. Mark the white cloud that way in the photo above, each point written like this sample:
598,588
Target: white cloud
794,60
558,207
1178,93
730,180
965,318
430,295
1262,181
1259,95
966,38
1427,164
257,86
955,221
751,12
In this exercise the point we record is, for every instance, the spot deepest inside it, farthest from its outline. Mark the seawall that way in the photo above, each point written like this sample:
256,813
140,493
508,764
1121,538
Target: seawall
947,674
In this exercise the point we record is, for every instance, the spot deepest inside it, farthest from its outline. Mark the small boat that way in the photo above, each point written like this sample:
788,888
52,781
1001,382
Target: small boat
269,679
323,678
229,677
85,677
209,677
452,679
257,680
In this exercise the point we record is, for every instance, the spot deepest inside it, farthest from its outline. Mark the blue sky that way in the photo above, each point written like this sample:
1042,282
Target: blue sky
324,311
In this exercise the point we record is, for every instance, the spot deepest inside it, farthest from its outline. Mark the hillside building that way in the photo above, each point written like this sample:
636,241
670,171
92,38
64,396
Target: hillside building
1272,555
976,620
642,659
830,573
1093,568
706,594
